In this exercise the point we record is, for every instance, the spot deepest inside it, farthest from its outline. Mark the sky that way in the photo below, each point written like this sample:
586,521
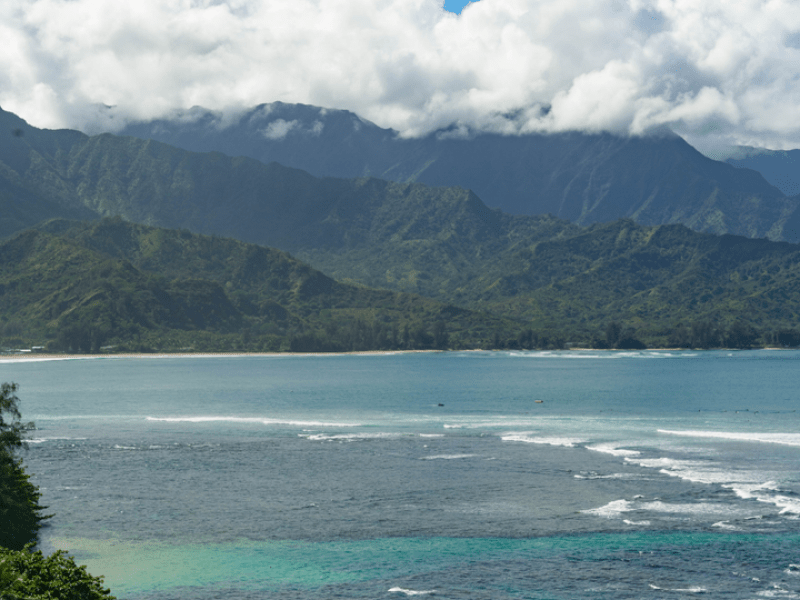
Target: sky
717,72
455,6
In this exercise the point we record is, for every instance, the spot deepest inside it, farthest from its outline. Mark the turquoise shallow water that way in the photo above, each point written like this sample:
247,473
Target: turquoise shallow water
463,475
600,565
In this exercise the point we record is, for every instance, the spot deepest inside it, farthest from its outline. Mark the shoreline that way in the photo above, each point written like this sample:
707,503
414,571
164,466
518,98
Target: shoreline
42,357
33,357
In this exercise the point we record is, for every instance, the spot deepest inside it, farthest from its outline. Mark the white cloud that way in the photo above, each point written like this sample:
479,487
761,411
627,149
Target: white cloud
715,71
278,129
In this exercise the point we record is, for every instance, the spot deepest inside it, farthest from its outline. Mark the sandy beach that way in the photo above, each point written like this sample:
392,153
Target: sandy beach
41,357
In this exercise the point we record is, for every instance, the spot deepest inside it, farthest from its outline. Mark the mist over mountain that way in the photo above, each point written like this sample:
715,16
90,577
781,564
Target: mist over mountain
585,178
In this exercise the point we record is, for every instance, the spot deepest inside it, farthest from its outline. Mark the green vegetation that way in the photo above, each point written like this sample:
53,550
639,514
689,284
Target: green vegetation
665,286
462,275
20,513
497,282
115,286
25,574
29,575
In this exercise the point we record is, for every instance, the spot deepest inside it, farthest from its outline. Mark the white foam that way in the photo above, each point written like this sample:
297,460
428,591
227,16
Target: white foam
695,471
613,450
777,593
786,439
695,589
745,491
638,523
529,438
592,476
663,463
745,484
793,570
613,509
494,423
787,505
431,435
51,439
689,508
726,525
604,354
254,420
349,437
399,590
616,508
448,456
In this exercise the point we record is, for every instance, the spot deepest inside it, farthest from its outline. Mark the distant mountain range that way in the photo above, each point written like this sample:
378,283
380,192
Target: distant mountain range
493,279
579,177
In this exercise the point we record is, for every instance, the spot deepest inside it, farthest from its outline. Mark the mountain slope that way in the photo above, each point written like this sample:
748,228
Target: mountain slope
85,285
153,183
583,178
23,200
656,280
132,286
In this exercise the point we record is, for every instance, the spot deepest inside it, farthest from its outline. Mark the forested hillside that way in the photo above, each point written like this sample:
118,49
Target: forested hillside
660,282
115,286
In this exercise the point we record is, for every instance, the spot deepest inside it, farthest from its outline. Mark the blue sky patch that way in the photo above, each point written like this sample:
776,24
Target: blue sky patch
455,5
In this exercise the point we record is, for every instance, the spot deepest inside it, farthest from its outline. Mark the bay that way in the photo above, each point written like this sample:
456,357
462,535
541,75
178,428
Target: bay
463,475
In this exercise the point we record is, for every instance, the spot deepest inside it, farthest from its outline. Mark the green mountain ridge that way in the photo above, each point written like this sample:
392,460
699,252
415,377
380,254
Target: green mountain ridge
655,280
134,286
83,286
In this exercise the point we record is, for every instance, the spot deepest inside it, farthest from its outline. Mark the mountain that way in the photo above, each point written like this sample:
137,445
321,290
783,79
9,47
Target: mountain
660,282
83,286
780,168
112,283
552,277
585,178
652,180
23,202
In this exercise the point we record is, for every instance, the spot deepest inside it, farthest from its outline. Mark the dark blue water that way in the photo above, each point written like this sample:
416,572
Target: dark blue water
455,475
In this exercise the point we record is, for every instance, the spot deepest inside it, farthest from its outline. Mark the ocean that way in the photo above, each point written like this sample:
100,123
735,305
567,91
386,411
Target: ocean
497,475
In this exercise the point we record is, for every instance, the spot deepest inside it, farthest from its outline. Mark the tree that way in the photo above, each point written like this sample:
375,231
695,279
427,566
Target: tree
24,574
741,335
440,338
613,334
29,575
20,512
788,337
704,335
11,429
